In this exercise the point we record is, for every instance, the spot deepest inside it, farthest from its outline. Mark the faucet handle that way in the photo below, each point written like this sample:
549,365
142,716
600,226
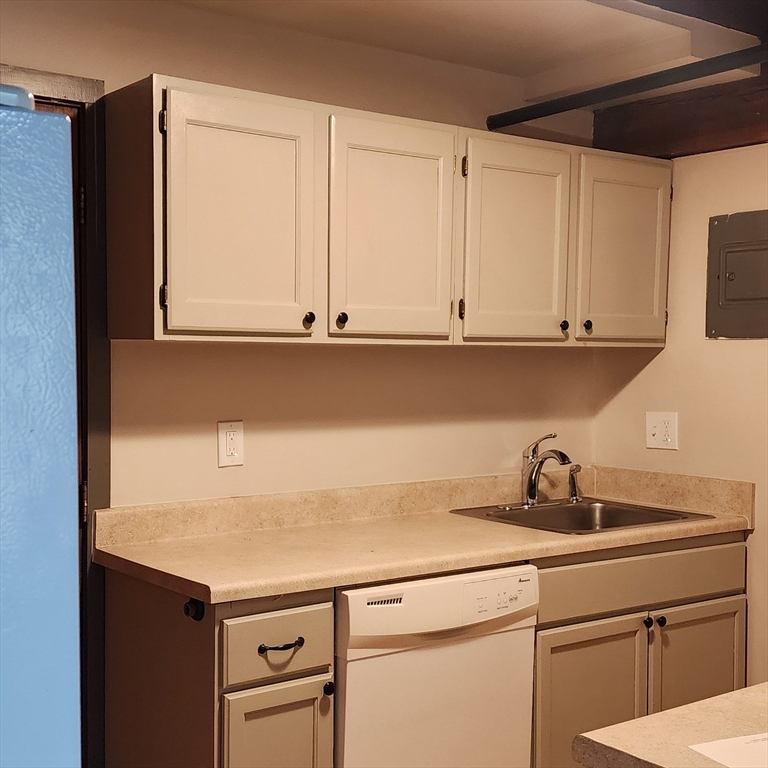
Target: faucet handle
531,453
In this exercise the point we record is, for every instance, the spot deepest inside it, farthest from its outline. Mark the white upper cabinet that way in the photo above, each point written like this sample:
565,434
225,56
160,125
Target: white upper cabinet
239,214
390,219
623,248
250,217
516,241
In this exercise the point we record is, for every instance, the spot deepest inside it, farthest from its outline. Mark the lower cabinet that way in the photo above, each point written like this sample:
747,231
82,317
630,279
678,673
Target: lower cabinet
696,651
587,676
287,725
592,674
246,684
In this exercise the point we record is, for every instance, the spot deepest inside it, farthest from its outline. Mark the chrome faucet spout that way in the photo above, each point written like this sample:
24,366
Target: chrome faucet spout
532,473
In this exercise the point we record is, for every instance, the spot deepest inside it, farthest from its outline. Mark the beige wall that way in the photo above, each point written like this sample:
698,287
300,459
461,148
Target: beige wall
330,417
718,387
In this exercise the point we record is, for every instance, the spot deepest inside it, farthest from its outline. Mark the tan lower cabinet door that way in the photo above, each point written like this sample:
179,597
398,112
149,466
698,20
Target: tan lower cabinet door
587,676
286,725
696,651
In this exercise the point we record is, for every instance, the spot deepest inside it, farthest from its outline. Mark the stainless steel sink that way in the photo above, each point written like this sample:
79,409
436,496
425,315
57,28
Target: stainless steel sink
585,516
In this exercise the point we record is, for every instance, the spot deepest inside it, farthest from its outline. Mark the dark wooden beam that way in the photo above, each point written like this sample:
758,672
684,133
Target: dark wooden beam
700,120
749,16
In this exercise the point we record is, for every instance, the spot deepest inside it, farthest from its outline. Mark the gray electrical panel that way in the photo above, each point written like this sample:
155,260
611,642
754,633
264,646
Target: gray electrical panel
737,276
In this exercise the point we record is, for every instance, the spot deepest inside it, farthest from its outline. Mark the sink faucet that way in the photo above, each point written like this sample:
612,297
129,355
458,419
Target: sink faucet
533,463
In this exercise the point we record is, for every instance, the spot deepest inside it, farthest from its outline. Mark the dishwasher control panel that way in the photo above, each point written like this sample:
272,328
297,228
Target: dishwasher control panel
491,597
436,604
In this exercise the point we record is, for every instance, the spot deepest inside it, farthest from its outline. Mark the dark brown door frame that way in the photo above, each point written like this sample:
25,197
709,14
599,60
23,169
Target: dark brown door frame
79,97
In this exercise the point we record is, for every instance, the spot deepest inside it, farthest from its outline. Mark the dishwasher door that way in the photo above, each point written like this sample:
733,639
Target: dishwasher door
455,689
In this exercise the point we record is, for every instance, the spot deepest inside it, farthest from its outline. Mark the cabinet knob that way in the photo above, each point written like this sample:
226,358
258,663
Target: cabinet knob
662,621
342,319
309,318
648,621
329,689
565,325
194,609
587,325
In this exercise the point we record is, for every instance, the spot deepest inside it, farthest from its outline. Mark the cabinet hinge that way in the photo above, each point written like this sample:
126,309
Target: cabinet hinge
164,295
666,317
464,165
671,192
82,204
162,122
461,309
454,163
84,502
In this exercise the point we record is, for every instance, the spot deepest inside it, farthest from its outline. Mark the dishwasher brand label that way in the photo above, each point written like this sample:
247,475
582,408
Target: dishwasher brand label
494,597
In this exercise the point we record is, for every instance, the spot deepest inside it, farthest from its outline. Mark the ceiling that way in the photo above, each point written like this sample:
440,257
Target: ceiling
516,38
554,46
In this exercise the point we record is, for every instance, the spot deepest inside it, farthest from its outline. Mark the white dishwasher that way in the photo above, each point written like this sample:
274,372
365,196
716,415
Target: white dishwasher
437,672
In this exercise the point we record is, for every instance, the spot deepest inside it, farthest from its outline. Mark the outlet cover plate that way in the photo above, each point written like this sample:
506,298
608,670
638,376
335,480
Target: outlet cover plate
230,443
661,430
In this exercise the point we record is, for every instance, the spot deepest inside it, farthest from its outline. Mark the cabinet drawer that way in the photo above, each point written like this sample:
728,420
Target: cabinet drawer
612,586
241,638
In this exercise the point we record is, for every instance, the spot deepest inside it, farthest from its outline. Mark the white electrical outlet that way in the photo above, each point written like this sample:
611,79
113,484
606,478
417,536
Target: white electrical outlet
230,443
661,430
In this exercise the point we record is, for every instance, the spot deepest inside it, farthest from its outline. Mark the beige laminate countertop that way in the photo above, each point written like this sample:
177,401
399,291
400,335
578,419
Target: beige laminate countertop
240,565
662,740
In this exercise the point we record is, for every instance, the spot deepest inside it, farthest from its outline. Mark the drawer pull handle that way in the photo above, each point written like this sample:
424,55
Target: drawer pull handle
297,643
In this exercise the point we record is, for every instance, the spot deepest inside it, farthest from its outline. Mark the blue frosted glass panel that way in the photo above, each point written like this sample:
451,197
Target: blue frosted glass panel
39,610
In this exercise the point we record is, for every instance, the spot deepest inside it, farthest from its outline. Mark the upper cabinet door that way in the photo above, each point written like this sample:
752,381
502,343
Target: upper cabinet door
240,214
390,229
516,241
623,249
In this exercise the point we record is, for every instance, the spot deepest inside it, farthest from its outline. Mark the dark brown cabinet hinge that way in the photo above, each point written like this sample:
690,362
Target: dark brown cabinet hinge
162,122
666,317
164,295
84,502
671,192
461,309
464,165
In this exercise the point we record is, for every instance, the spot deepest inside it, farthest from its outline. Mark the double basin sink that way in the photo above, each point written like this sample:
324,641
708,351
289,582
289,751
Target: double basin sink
580,517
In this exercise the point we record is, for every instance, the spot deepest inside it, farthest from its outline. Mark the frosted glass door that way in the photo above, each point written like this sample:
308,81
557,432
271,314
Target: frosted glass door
516,241
390,229
240,215
623,249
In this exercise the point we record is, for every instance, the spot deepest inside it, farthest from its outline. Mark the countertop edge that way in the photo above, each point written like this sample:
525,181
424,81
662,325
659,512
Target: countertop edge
594,754
119,558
